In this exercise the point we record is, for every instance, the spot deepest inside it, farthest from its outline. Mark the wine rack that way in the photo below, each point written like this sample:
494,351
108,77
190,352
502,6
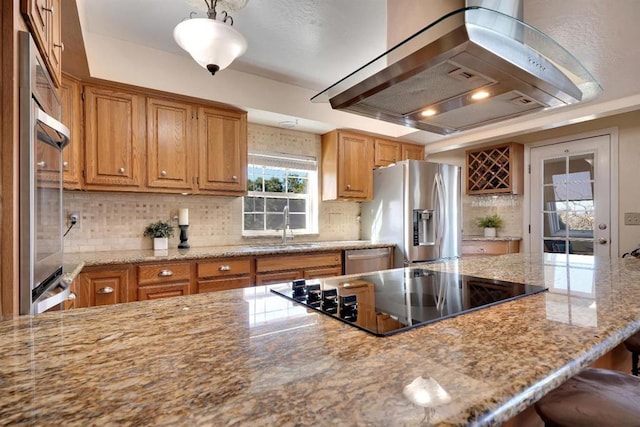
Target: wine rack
495,169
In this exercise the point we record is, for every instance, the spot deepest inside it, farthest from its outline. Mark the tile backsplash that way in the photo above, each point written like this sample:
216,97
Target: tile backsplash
510,212
116,221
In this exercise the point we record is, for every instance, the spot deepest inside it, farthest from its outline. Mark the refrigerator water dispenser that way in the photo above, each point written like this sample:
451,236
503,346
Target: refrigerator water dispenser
424,227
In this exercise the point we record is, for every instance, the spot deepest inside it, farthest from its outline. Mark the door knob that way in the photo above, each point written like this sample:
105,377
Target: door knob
602,241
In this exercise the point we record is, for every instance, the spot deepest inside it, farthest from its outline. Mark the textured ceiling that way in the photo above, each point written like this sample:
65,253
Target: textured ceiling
314,43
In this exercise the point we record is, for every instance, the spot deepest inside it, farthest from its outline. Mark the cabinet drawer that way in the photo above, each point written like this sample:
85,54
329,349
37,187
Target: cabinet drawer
223,284
489,247
224,267
271,278
291,262
163,273
163,291
316,273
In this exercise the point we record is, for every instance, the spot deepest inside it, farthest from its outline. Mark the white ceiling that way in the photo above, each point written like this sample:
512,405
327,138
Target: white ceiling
311,44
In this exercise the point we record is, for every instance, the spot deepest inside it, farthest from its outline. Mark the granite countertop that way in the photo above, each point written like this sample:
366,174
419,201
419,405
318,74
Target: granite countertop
497,238
148,255
249,357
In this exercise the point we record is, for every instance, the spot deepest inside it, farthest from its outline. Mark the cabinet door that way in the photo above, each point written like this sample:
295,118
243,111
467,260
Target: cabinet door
222,137
38,14
170,144
103,287
163,291
355,162
115,128
271,278
70,97
415,152
55,44
386,152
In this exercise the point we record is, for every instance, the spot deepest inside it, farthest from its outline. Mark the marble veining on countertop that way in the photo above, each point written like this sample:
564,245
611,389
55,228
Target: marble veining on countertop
250,357
148,255
495,239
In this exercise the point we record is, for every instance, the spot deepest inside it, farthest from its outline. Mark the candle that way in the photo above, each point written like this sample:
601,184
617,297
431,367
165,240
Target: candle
183,216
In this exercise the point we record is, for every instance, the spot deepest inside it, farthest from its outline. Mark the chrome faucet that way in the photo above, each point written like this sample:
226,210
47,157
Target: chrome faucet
285,223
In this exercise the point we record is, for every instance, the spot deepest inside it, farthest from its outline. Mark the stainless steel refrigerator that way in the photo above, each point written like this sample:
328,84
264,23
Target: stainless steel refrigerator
417,206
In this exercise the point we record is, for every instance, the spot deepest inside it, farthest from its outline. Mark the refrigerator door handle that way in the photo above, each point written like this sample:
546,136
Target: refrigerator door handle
440,207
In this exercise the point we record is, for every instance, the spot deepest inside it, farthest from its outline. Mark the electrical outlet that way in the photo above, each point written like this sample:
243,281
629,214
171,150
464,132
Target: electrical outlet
74,218
632,218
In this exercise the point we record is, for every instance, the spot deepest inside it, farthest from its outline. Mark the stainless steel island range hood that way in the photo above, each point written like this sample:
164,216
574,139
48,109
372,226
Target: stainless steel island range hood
471,67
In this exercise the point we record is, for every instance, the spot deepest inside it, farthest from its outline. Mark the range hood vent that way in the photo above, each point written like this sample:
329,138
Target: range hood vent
489,67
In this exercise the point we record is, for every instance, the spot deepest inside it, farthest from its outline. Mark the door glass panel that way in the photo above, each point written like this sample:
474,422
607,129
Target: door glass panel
568,204
554,167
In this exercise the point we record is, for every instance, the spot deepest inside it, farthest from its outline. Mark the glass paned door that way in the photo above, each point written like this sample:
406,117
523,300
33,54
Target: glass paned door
570,203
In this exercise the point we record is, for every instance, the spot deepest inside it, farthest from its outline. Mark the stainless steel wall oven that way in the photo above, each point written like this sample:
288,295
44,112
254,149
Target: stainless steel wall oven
42,138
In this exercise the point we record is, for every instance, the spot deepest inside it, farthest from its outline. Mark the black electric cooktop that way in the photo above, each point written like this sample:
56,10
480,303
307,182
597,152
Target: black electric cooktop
392,301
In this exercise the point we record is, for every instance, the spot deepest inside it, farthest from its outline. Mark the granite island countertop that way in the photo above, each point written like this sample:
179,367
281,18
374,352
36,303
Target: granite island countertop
249,357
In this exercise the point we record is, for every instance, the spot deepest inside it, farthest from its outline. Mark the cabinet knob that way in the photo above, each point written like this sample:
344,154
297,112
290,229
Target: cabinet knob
163,173
348,186
104,291
65,165
42,164
224,268
165,273
235,178
121,170
72,296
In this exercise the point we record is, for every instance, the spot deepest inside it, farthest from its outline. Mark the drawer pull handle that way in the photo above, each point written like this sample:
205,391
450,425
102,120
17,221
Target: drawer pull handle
482,250
105,291
224,268
165,273
72,296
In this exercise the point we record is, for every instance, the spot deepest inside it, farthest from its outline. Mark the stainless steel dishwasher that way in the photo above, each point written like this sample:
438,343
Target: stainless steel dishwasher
366,260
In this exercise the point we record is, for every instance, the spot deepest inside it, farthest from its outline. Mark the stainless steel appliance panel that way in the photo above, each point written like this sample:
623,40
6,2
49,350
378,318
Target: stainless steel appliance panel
366,260
42,138
416,206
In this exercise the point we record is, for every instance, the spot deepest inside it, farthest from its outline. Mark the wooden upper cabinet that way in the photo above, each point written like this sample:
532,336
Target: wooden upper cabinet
44,19
70,98
495,169
411,151
386,152
347,163
171,144
223,151
114,138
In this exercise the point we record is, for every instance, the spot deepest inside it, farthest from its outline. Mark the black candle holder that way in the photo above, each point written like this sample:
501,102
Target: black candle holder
183,237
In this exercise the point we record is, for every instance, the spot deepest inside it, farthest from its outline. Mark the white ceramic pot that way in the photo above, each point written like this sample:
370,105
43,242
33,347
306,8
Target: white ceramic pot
490,232
160,243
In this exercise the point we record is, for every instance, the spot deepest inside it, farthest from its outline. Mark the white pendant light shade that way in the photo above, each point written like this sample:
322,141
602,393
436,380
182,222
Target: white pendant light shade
212,44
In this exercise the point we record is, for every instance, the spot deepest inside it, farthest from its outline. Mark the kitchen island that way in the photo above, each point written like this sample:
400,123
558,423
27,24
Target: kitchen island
249,357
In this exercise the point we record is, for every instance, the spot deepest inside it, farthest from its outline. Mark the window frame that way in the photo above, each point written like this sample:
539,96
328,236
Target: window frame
286,163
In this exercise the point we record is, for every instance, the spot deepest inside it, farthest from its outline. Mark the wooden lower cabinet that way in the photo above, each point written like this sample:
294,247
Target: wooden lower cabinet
279,277
105,285
471,248
164,280
224,273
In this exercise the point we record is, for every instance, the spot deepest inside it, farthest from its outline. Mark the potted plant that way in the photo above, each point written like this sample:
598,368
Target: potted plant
160,232
490,223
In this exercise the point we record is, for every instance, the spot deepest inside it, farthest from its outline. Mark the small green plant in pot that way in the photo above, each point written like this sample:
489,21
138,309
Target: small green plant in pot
489,223
160,232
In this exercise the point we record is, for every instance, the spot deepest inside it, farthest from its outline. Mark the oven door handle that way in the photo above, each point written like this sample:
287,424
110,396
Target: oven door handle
61,130
45,304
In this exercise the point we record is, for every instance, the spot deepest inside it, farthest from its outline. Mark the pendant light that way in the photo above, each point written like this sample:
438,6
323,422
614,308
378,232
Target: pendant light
212,43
